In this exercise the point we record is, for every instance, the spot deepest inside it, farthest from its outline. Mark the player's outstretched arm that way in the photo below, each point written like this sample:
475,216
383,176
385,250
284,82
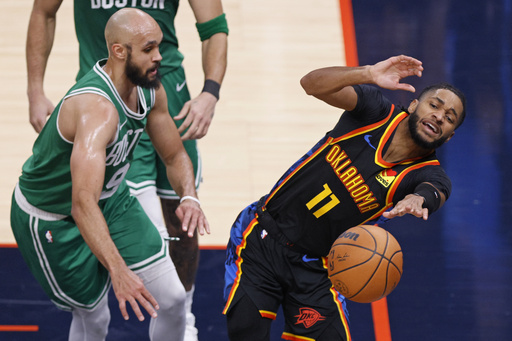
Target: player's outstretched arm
419,204
333,85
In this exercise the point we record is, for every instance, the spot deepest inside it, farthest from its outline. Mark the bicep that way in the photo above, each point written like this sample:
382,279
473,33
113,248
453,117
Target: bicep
94,125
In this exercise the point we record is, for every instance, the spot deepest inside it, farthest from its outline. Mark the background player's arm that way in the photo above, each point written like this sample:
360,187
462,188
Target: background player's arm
333,84
199,111
90,121
40,36
166,139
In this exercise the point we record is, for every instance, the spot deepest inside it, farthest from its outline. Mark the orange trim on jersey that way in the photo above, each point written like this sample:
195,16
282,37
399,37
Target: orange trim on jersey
379,160
238,263
380,316
268,314
292,337
365,129
396,182
19,328
312,156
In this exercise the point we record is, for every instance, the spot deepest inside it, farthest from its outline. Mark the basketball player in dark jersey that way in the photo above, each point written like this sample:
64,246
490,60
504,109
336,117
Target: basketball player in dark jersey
378,161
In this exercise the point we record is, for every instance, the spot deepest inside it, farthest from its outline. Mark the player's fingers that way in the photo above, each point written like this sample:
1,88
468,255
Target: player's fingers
185,220
136,309
194,225
149,305
425,213
406,87
151,300
122,308
206,225
183,112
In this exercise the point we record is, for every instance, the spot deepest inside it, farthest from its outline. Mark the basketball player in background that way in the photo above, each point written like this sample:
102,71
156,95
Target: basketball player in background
147,176
76,224
378,161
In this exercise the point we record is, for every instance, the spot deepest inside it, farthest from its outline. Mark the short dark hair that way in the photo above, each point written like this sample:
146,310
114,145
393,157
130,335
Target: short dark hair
449,87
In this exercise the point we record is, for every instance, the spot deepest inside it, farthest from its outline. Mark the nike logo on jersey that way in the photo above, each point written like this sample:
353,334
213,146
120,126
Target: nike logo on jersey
306,259
367,139
179,86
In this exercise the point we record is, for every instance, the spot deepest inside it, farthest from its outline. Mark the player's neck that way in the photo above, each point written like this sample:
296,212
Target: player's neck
126,89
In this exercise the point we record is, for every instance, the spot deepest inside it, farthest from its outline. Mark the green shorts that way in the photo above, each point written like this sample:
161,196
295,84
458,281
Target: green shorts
146,167
61,261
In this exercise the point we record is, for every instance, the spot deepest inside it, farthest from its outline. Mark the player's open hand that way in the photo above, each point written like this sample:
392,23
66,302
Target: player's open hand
128,287
192,218
388,73
198,115
411,204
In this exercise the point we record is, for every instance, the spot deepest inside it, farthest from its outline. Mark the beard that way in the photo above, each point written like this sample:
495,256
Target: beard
418,139
137,76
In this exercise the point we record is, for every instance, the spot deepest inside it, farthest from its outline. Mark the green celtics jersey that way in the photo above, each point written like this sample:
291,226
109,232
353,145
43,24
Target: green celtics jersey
46,175
91,16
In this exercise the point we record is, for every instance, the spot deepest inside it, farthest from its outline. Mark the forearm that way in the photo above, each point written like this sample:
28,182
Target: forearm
93,228
333,79
214,57
180,173
40,36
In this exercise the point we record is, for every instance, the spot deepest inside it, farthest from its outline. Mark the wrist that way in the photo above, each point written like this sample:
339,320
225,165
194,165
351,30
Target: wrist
431,196
189,197
211,87
370,76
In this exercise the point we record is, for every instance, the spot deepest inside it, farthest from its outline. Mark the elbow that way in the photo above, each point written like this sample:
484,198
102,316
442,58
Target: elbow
305,82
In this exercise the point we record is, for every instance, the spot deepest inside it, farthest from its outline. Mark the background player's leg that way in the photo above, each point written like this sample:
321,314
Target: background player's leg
149,200
90,325
164,284
185,256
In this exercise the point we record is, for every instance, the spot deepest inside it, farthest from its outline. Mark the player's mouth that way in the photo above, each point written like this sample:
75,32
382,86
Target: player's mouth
431,128
154,70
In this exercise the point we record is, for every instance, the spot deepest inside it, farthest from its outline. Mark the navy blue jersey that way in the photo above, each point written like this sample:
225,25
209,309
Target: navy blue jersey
343,181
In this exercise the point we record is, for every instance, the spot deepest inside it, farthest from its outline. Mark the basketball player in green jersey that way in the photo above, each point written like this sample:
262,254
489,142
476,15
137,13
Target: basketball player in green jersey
193,117
76,224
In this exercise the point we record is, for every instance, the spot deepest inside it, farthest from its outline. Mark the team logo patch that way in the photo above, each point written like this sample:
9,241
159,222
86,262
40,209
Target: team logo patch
308,317
386,177
49,237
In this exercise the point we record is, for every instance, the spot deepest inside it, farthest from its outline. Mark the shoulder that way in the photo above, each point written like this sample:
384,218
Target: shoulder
88,112
371,103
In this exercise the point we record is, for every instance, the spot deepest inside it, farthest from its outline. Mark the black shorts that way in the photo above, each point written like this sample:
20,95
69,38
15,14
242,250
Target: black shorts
271,274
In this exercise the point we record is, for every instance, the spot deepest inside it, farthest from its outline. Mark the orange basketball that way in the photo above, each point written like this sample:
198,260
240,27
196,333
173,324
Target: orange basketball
365,263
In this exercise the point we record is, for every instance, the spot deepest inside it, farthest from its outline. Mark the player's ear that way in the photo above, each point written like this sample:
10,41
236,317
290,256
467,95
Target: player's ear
449,137
119,51
413,105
